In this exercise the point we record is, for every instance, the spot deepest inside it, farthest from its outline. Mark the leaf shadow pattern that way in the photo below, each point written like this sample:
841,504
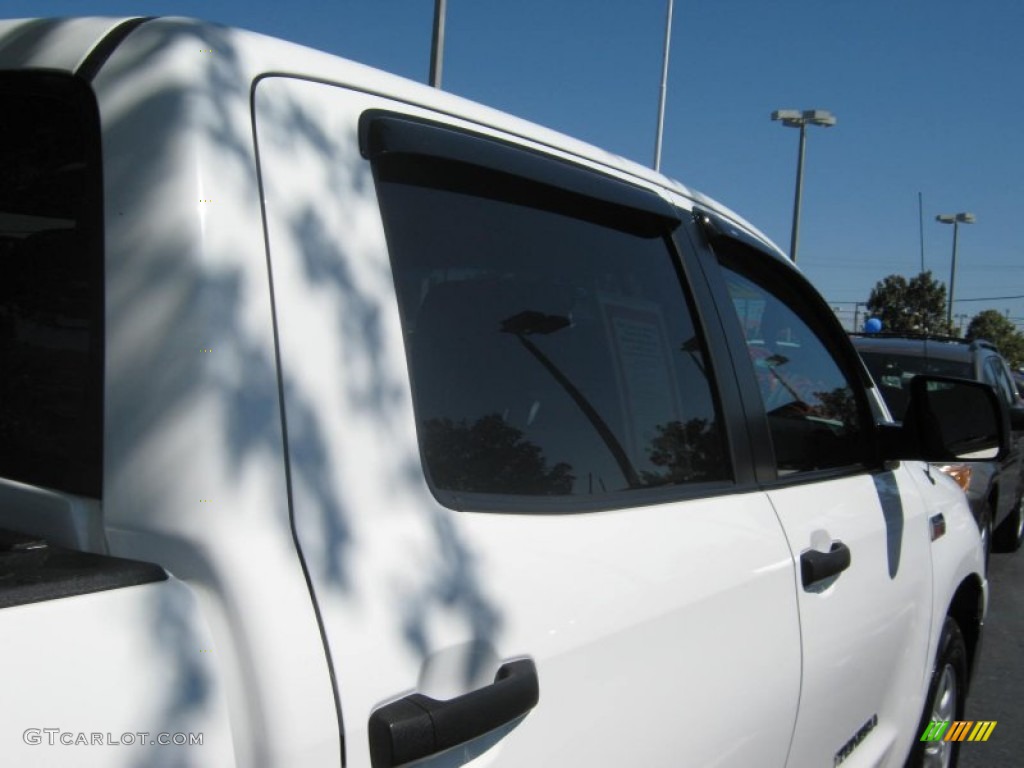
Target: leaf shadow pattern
173,627
455,584
371,385
163,308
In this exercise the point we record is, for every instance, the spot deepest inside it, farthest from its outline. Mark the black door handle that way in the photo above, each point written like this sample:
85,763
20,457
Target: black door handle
418,726
817,566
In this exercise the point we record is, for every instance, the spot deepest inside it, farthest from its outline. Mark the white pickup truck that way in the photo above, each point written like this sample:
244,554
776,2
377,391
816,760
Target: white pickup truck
346,422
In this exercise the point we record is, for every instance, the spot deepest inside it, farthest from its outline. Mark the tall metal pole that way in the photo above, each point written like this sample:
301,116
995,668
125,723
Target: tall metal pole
437,44
799,193
920,217
952,277
661,95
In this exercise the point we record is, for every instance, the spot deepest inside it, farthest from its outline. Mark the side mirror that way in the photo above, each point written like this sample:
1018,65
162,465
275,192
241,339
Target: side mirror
949,419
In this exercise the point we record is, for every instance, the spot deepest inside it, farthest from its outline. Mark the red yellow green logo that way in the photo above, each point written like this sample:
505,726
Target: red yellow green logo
958,730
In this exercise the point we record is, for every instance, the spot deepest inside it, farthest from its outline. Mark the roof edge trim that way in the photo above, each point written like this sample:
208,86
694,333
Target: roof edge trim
98,56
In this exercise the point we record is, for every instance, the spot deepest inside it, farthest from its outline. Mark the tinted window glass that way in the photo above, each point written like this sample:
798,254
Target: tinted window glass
1001,380
549,355
812,409
51,300
893,372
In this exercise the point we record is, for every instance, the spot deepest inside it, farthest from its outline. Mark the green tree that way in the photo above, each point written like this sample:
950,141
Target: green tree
917,305
688,453
490,456
994,327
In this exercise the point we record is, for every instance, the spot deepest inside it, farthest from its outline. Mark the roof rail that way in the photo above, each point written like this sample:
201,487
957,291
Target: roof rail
983,344
972,344
911,335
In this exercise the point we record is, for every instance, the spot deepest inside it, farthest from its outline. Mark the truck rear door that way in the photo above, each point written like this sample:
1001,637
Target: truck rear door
507,442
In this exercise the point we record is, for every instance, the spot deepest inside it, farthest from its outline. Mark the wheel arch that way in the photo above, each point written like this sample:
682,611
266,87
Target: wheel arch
968,609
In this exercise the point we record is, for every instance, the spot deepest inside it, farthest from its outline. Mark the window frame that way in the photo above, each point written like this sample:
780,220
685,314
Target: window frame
590,195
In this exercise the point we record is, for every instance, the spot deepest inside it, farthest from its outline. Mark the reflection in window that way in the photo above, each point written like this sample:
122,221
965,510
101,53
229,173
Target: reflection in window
1001,381
812,412
893,373
490,453
549,355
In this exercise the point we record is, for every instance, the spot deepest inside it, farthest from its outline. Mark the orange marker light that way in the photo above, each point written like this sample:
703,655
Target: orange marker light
959,472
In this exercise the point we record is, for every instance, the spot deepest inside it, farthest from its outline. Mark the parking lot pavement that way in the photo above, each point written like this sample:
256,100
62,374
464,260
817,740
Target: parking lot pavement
996,694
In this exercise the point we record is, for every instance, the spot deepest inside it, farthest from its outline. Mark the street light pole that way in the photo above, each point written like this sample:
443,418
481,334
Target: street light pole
952,274
956,219
794,118
794,236
437,44
664,85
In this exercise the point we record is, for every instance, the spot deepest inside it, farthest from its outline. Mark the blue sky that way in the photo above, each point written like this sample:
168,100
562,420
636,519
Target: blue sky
929,97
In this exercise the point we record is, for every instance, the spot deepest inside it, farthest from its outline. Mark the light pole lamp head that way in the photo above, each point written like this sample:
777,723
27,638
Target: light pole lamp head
956,218
820,117
795,118
790,117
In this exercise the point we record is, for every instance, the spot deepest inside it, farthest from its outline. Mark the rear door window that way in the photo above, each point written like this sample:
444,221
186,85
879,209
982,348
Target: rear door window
552,348
51,283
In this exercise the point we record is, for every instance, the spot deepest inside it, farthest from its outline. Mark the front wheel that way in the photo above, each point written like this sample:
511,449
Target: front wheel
945,703
1010,533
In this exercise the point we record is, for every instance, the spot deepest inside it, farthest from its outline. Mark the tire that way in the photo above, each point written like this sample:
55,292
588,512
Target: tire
947,694
1010,533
